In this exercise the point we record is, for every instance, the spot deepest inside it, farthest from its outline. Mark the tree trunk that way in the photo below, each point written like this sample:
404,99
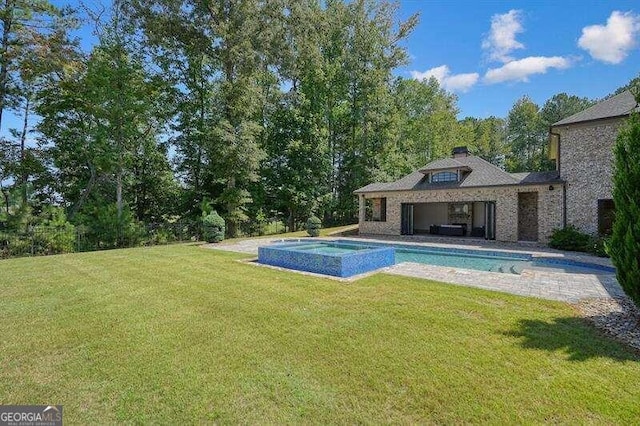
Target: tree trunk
232,228
85,193
119,194
23,152
292,221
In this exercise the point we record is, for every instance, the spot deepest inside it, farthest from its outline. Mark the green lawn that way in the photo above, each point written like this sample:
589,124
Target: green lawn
182,334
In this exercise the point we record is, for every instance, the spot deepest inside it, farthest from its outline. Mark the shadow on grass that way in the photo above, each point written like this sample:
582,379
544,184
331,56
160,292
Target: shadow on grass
574,336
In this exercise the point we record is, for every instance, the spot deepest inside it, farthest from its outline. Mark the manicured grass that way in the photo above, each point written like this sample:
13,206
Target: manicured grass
182,334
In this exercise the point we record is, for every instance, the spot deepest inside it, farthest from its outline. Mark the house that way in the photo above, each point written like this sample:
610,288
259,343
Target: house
467,196
582,146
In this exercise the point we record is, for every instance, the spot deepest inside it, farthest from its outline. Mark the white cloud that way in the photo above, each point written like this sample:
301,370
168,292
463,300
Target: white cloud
502,37
521,69
612,42
451,82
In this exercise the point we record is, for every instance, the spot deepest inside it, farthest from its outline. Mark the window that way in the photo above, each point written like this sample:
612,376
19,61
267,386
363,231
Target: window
376,210
606,212
444,177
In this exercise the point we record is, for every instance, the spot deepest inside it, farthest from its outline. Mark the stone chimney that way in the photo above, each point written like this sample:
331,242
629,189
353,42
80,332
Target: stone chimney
460,151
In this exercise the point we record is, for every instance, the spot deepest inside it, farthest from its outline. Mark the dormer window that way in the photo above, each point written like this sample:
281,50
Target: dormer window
444,177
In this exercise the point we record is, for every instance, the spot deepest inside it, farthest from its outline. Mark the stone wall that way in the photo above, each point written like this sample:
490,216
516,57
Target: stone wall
586,164
505,197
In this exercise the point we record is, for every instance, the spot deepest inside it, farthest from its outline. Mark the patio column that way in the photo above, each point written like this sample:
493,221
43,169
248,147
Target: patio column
361,208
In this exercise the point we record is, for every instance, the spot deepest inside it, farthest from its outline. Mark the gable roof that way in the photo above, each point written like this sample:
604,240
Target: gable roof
616,106
482,174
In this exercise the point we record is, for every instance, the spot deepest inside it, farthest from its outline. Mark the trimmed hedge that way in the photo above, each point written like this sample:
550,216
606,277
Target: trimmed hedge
213,227
313,226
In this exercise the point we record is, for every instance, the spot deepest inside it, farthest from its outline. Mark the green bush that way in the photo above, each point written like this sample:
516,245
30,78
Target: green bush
570,238
213,227
313,226
625,239
600,246
101,229
56,234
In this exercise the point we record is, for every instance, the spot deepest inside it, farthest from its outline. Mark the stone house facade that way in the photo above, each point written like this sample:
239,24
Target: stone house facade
583,149
467,196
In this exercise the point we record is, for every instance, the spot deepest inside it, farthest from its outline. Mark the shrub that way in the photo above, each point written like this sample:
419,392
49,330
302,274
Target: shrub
213,227
103,230
625,239
570,238
56,234
600,246
313,226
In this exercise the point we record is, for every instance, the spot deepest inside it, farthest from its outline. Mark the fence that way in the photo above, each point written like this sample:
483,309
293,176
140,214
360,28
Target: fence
42,241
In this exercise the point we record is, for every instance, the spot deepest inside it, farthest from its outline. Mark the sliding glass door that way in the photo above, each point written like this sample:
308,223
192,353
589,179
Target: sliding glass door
406,220
490,220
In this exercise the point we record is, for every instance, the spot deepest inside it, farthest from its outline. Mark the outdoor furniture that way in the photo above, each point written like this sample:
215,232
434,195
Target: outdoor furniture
459,230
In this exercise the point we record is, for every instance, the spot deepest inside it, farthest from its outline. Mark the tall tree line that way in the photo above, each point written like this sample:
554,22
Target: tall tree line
257,108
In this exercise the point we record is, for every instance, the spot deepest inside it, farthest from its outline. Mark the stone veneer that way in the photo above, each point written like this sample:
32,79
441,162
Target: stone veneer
505,197
586,164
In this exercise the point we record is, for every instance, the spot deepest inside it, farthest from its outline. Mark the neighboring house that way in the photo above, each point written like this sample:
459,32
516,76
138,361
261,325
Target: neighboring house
467,196
582,146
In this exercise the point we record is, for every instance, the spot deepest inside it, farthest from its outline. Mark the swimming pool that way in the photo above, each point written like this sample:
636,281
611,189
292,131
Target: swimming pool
364,257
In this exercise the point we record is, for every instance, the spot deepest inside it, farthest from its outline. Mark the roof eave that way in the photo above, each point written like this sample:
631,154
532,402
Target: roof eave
613,117
501,185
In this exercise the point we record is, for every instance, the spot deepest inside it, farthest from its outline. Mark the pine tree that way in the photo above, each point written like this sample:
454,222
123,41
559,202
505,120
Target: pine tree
625,241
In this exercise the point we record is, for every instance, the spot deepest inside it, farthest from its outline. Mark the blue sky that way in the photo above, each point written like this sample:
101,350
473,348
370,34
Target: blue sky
490,53
495,52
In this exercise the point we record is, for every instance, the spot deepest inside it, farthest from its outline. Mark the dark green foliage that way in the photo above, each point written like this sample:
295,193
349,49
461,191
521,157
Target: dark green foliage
213,227
600,246
625,239
49,233
258,223
101,229
313,226
570,238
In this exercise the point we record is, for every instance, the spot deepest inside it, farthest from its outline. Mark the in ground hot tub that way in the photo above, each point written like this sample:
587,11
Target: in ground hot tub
327,257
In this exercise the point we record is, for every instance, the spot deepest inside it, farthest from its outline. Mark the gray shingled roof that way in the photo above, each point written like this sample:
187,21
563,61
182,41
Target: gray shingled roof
616,106
529,178
482,174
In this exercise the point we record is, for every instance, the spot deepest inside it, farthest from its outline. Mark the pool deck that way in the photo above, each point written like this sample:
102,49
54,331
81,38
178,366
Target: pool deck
566,287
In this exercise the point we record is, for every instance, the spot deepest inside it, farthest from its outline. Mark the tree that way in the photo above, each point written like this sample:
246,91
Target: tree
485,137
526,136
33,46
561,106
428,128
633,84
223,47
102,122
625,240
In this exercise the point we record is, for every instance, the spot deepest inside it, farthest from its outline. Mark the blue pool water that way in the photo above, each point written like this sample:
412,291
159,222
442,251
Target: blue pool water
346,258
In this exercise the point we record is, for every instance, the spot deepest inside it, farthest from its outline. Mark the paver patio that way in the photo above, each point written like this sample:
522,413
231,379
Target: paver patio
566,287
